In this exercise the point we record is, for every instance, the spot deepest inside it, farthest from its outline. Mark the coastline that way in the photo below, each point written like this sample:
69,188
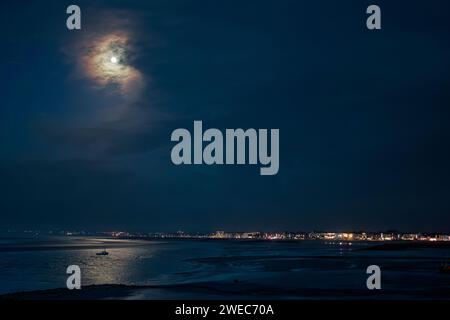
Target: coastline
232,270
215,291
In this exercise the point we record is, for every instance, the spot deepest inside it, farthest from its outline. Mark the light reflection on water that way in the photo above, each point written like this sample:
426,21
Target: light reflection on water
25,270
274,265
118,267
43,265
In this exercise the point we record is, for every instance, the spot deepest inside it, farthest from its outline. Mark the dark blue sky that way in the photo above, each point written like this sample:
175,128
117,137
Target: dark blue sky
363,116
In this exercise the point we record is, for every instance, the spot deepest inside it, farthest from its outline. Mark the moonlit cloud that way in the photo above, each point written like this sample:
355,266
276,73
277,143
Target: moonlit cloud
104,57
121,117
104,61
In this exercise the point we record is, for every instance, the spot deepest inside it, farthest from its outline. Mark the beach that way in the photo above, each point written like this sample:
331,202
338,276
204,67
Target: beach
219,269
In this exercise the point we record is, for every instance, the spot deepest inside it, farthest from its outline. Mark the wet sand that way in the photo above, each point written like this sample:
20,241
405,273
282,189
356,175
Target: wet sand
399,246
228,270
215,291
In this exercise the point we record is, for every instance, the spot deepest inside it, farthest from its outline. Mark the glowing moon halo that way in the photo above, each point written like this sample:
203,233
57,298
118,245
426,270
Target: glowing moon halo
105,60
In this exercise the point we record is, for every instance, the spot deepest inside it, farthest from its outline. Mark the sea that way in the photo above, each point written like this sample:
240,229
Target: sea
222,269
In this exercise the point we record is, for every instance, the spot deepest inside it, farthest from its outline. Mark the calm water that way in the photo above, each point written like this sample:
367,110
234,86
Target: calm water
223,269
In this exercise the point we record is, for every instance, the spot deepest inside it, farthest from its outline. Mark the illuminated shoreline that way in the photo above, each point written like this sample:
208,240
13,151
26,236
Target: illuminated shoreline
362,236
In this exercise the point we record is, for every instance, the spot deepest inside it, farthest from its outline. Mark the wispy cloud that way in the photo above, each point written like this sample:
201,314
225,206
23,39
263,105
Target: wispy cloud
104,53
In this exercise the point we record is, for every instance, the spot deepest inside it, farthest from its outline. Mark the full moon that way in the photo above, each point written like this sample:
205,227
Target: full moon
105,59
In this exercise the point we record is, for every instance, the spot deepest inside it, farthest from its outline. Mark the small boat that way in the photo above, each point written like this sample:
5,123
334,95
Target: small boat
445,268
102,253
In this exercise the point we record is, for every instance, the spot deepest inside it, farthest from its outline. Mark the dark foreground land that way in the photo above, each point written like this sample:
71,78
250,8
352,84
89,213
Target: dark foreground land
215,291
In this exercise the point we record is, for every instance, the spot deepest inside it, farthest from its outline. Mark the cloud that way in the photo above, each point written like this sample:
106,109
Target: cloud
131,122
104,54
139,129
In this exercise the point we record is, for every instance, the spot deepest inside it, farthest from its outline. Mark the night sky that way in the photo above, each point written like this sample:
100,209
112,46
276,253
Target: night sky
363,115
